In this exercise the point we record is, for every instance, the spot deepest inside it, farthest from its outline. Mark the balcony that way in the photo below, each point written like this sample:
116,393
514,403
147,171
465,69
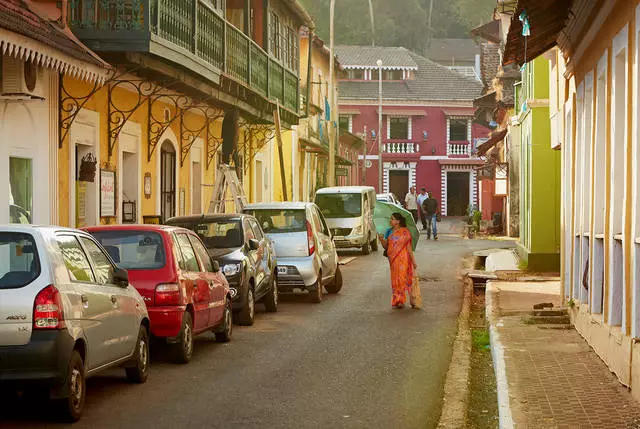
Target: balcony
401,147
189,33
459,148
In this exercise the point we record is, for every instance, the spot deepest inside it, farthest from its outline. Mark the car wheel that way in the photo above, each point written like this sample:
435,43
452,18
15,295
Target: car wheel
271,300
224,335
336,285
183,349
315,295
247,314
70,408
366,248
374,245
139,369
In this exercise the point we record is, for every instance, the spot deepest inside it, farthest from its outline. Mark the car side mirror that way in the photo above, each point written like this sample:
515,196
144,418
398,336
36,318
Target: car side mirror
216,266
254,244
121,277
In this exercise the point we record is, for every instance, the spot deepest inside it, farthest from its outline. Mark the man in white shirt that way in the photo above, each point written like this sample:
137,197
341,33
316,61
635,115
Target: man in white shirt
411,203
420,199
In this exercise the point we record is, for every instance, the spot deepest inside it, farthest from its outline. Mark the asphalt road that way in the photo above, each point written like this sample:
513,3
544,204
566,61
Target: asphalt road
350,362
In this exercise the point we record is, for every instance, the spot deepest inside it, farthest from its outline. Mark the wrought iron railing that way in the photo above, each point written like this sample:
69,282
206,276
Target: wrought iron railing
196,28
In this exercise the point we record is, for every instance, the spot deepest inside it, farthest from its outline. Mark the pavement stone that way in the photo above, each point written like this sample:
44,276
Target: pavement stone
555,380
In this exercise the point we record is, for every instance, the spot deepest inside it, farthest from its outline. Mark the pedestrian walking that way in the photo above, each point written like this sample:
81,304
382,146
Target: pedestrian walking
422,196
430,209
411,202
401,260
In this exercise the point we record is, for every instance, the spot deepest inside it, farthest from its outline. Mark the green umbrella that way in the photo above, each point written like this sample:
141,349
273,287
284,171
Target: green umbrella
382,214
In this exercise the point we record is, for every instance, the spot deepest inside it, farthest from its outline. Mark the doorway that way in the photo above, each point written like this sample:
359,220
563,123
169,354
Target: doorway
167,181
399,183
457,193
130,187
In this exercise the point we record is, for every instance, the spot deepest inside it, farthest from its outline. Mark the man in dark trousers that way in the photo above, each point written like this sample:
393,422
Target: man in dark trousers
422,196
430,209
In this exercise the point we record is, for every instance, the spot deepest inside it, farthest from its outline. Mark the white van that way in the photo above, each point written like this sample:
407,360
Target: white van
348,211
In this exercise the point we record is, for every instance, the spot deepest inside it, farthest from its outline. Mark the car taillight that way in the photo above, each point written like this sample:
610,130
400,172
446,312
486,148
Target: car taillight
47,309
310,241
167,294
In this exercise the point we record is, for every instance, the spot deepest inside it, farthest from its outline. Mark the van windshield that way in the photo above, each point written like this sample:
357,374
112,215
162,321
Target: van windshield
19,262
340,205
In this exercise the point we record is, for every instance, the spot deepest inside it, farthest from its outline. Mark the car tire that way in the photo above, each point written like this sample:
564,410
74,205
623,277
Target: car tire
225,331
374,245
183,349
336,285
246,317
138,372
271,299
70,408
315,296
366,248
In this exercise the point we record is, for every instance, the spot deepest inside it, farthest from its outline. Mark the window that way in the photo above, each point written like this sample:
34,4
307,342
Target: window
276,221
355,74
20,190
75,259
101,264
224,233
343,123
19,262
256,230
398,128
274,33
457,130
202,253
319,220
133,250
188,254
392,75
248,232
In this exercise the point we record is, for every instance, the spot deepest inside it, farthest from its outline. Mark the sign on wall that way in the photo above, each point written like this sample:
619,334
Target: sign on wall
107,193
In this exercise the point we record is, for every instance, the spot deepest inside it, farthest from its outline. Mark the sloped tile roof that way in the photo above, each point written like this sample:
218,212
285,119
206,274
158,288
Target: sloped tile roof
367,56
488,31
432,82
452,51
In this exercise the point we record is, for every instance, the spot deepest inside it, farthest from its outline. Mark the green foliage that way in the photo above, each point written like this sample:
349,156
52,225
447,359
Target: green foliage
481,339
399,22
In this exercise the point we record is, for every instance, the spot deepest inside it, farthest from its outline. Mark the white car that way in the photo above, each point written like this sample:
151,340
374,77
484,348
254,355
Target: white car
66,313
388,198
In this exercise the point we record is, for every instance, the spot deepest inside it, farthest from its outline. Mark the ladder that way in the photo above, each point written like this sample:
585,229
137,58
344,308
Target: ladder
226,178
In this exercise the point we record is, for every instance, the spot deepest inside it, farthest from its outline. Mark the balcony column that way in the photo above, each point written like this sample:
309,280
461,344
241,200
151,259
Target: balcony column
247,18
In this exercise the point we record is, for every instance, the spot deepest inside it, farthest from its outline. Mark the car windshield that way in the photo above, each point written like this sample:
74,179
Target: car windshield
133,250
218,234
339,205
19,262
278,221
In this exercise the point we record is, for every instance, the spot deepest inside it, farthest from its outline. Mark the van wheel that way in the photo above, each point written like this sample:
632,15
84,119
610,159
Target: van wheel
315,295
224,335
336,285
374,245
271,300
246,316
366,248
183,350
139,371
70,408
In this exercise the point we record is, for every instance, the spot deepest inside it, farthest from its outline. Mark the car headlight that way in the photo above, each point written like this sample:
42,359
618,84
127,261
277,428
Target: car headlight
357,230
232,269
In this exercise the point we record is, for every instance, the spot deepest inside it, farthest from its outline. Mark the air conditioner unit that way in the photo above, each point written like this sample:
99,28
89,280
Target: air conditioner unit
18,78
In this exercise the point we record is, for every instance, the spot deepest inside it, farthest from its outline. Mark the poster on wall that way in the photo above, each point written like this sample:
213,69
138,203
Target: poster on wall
81,204
107,193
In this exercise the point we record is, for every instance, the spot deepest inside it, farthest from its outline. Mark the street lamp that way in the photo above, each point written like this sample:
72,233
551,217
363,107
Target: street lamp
379,63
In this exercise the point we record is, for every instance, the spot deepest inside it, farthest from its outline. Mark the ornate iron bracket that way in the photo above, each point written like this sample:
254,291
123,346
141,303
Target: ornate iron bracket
189,135
213,143
69,106
157,126
257,136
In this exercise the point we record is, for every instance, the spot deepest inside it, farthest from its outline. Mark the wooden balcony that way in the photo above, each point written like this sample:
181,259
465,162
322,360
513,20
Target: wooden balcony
188,33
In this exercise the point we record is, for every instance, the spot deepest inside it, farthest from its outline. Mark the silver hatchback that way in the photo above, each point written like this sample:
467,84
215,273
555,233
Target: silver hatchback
66,313
306,254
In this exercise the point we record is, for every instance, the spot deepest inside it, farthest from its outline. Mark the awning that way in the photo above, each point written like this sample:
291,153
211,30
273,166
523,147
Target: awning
350,139
343,161
400,111
547,18
487,101
489,31
312,147
495,138
459,112
348,111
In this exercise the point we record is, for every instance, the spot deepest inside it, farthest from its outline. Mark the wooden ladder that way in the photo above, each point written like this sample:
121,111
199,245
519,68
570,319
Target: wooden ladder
226,178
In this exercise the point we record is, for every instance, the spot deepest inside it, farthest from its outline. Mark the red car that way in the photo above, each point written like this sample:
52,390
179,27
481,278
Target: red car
184,290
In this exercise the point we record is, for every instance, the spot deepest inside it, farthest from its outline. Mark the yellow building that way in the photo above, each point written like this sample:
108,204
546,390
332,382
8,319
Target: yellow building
181,99
594,111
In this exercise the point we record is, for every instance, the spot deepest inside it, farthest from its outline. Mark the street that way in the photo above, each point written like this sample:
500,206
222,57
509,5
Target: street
351,361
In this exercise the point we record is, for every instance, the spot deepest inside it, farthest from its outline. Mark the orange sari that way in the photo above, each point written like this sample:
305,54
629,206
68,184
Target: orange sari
401,266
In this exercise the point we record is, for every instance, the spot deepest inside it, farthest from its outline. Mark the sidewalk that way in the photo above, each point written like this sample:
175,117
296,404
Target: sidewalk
549,378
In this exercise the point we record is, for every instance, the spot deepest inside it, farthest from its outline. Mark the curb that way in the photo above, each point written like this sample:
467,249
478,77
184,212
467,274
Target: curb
499,365
456,386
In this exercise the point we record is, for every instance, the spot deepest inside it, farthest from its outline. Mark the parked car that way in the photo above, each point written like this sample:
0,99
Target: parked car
307,258
246,255
389,198
348,211
67,312
183,288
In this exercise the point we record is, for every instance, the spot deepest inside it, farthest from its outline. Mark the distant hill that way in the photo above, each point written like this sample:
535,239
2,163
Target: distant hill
399,22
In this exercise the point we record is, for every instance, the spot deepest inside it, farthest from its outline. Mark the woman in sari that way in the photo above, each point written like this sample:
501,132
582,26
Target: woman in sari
401,259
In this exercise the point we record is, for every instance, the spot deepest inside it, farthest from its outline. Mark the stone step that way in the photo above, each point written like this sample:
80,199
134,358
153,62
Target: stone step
551,312
548,320
563,326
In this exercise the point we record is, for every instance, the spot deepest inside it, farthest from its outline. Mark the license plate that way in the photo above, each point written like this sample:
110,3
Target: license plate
282,270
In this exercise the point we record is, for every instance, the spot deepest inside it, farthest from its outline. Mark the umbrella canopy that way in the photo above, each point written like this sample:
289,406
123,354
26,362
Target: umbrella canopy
382,214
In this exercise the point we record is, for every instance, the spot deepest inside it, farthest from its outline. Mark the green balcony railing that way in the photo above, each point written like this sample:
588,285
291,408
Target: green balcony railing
192,26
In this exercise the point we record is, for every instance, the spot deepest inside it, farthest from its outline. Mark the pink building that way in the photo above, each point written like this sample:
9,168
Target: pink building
428,134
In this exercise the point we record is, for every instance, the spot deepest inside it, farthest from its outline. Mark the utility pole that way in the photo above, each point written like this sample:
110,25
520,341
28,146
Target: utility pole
332,144
364,158
379,62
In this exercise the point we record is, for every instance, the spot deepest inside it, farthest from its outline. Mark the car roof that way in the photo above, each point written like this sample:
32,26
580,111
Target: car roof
209,217
345,190
281,205
131,227
32,229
